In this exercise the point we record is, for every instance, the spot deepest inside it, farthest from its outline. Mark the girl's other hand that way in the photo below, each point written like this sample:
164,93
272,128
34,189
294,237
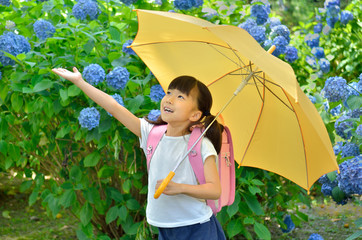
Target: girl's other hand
171,189
74,76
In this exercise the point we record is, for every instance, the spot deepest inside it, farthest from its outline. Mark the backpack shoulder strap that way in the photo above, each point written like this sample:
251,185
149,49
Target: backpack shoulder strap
195,157
154,137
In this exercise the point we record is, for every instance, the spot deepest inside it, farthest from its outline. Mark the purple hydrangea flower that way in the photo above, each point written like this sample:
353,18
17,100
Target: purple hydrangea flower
13,44
248,24
128,2
318,52
187,4
280,30
94,74
273,21
118,99
343,127
318,28
280,45
126,49
335,89
258,33
350,177
154,114
9,24
311,61
290,224
358,129
315,236
260,12
5,2
86,8
350,149
291,54
209,12
43,29
157,93
312,40
89,118
346,16
329,3
337,148
118,77
324,65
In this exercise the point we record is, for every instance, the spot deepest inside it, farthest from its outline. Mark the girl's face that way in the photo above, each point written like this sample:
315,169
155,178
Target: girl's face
178,107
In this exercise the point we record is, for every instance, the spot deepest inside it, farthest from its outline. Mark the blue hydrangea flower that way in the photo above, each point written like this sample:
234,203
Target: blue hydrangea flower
89,118
280,45
9,24
291,54
267,44
312,99
128,2
273,21
356,113
350,177
350,149
126,49
360,77
118,78
265,3
311,61
154,114
323,179
346,16
318,18
315,236
156,93
0,75
324,65
43,29
336,110
248,24
353,89
119,99
343,127
290,224
333,11
326,189
158,2
312,40
337,148
86,8
318,52
318,28
260,12
187,4
94,74
280,30
335,89
258,33
5,2
329,3
209,12
331,21
13,44
358,129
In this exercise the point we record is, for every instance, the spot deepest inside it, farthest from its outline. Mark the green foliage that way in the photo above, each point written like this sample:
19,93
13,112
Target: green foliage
100,175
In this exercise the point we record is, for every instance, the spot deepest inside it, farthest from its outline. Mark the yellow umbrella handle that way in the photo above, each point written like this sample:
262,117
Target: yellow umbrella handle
271,49
164,184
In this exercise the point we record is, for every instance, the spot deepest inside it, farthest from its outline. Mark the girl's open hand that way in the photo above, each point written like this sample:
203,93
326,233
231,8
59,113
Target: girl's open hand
171,189
74,76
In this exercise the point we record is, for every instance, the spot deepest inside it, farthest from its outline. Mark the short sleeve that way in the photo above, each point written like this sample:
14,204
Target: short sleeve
207,149
145,130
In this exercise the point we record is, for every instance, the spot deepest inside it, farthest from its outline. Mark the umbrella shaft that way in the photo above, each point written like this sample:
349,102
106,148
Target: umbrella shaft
239,88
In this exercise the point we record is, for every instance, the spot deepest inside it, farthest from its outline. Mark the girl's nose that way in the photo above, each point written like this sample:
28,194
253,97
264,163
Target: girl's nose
169,100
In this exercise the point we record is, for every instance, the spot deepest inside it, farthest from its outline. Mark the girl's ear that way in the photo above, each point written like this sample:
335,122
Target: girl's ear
195,116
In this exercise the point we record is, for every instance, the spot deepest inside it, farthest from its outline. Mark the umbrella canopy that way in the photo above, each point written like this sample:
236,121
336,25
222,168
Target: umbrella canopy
274,125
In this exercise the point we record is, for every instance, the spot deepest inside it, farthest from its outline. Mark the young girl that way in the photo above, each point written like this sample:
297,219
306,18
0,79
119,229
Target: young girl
181,211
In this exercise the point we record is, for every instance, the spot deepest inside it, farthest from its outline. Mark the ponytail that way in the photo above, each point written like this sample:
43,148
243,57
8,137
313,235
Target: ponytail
214,133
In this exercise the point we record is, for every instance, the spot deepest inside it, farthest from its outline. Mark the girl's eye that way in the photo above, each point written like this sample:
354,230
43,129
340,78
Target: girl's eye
180,96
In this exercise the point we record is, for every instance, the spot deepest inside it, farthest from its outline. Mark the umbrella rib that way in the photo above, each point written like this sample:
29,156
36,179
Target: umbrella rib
238,64
258,89
257,77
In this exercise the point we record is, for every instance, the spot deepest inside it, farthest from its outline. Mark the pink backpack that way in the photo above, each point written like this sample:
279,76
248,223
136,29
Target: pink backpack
226,165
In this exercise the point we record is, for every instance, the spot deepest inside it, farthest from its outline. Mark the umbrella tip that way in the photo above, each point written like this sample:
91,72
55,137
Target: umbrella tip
271,49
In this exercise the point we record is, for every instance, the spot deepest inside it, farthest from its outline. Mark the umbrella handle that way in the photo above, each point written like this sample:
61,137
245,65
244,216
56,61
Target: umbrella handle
164,184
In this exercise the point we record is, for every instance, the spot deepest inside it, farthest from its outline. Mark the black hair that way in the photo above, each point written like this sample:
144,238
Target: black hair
204,103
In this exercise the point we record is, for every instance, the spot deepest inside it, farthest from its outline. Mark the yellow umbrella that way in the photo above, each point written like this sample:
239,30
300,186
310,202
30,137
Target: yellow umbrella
274,125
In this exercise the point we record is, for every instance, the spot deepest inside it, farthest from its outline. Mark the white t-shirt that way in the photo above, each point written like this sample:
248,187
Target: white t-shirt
179,210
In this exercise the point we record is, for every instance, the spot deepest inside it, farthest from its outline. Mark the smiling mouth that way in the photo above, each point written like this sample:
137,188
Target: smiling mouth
168,110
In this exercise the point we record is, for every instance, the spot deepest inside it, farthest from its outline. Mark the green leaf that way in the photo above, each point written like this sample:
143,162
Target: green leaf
112,214
123,213
25,185
354,102
133,204
68,198
33,197
355,235
106,171
74,91
234,228
86,213
63,131
127,185
75,173
41,86
92,159
6,214
262,231
16,102
115,33
249,220
135,103
254,190
253,204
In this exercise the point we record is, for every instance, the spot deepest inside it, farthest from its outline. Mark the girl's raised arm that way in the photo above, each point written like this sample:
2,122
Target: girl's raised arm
103,99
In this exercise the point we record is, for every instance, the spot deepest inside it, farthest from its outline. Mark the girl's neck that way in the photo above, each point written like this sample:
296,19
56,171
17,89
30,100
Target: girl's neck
176,131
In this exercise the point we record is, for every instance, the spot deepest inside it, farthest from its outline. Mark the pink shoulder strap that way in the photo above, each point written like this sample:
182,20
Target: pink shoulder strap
195,157
154,137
